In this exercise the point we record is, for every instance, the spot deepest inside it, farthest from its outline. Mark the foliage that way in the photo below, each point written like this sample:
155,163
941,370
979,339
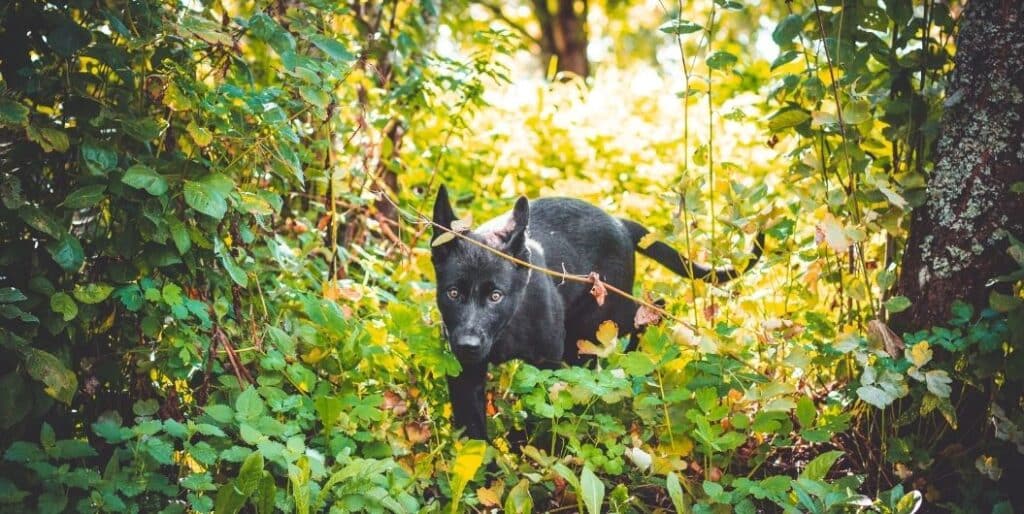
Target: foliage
210,302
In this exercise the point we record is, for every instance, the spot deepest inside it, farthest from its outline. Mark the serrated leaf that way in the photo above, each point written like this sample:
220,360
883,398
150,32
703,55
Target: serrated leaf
12,113
67,253
141,176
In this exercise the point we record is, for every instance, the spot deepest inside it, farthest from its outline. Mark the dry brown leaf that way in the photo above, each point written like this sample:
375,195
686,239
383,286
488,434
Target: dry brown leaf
646,316
395,403
598,291
417,431
880,333
491,496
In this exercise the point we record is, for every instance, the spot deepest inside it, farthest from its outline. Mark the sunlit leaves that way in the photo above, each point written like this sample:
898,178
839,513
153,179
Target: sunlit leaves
680,26
787,29
467,461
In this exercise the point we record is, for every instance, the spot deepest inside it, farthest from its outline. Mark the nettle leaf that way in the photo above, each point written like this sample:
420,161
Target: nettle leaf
61,383
141,176
84,197
205,199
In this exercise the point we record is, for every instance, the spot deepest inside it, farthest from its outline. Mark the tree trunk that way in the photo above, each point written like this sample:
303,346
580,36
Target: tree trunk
958,237
564,35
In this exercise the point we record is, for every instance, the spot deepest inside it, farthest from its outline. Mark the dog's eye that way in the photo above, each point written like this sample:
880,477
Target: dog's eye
496,296
453,293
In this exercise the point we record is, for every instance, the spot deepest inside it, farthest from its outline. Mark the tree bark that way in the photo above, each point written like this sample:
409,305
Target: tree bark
564,35
958,238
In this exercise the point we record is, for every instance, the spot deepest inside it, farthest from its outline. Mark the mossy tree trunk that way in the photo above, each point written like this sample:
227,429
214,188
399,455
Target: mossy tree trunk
958,238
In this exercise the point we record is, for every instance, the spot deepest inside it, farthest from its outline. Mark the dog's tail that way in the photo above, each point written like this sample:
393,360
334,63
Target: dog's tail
667,256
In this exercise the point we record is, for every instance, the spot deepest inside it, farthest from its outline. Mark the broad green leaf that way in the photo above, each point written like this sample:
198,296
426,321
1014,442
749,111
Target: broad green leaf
11,295
897,304
63,304
786,118
41,220
92,293
468,460
519,500
875,396
67,253
179,234
592,490
203,198
141,176
49,138
249,406
98,159
805,411
333,48
787,29
83,197
938,381
721,60
12,113
61,383
820,465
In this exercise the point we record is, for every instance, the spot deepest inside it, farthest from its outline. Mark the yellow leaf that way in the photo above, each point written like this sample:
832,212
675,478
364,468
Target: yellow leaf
469,459
588,348
607,332
491,497
830,231
920,354
646,241
442,239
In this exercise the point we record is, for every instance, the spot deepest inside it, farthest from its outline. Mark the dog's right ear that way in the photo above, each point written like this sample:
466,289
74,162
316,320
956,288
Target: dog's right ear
443,213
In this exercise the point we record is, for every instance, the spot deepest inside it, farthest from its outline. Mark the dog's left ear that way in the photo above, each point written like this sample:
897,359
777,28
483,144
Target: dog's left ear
514,233
443,213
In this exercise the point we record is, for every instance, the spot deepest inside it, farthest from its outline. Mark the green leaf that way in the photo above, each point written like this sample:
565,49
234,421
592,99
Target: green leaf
67,253
84,197
805,412
41,221
469,459
141,176
179,233
680,26
519,500
819,466
62,304
61,383
203,198
875,396
897,304
11,295
938,381
236,273
97,159
592,490
721,60
12,113
787,29
249,406
333,48
675,492
92,293
786,118
67,37
49,138
856,112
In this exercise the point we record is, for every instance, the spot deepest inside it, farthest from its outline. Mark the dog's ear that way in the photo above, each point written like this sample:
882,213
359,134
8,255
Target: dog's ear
443,213
514,233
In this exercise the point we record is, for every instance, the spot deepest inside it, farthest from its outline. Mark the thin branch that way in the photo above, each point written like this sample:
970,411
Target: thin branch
496,10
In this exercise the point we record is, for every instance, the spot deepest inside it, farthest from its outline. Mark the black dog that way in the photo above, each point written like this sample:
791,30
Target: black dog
495,310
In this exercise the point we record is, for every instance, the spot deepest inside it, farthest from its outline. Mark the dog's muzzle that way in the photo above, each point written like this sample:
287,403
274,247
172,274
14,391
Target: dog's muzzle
468,347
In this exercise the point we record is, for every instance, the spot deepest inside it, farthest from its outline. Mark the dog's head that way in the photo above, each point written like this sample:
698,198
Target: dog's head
479,291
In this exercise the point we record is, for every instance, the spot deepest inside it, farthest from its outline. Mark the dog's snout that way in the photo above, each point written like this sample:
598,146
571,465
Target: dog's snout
468,342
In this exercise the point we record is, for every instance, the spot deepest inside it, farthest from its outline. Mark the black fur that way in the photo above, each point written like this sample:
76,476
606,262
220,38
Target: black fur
495,310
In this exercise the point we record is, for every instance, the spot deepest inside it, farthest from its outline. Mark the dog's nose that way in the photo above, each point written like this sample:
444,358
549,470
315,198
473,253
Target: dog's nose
468,343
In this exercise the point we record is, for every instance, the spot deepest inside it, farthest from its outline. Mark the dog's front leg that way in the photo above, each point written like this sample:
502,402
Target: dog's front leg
469,401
